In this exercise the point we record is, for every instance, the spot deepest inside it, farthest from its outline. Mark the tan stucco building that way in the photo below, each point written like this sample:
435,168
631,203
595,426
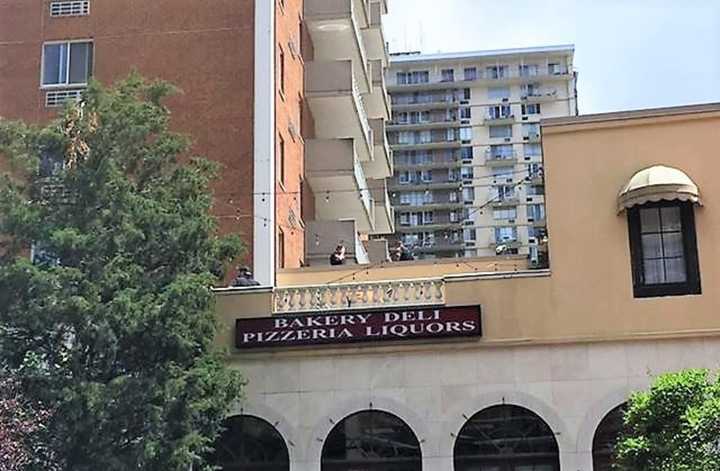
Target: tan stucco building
634,242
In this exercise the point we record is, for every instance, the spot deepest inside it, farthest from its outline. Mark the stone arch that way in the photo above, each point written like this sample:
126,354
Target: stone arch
353,405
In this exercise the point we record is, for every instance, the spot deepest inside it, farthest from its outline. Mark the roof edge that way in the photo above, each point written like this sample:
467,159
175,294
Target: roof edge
632,114
413,56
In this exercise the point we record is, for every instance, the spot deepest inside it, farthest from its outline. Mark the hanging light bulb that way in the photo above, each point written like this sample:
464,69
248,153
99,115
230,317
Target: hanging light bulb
327,197
317,240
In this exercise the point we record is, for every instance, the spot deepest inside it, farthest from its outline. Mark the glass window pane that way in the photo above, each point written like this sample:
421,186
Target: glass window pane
675,270
652,246
673,244
671,219
79,62
55,64
249,443
649,220
654,273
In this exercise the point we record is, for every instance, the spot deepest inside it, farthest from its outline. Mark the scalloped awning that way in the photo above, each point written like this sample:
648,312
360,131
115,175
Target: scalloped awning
656,184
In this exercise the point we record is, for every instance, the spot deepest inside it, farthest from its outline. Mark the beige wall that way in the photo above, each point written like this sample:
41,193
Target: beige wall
588,294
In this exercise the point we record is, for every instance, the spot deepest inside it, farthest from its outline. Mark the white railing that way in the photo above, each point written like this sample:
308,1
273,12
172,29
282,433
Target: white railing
364,295
55,98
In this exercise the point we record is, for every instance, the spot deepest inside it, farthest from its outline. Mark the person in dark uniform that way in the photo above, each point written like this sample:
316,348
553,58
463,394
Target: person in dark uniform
244,278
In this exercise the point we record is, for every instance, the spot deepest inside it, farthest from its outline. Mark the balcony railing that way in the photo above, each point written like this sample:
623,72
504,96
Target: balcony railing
486,74
365,295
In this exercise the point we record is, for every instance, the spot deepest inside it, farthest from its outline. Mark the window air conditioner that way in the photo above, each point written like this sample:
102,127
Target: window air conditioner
525,118
507,139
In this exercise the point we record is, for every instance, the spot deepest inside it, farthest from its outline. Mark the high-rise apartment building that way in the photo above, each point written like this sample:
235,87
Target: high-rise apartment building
466,138
288,95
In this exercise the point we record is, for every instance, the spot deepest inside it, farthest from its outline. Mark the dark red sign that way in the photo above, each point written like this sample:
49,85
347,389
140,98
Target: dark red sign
348,326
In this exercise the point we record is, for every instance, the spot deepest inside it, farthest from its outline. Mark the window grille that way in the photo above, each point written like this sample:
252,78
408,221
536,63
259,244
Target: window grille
55,98
70,8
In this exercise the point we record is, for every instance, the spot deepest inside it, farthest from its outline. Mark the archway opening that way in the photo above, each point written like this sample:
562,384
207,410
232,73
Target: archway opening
371,441
250,444
506,438
605,439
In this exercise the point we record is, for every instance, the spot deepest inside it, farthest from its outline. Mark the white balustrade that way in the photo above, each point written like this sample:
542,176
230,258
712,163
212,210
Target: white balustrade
363,295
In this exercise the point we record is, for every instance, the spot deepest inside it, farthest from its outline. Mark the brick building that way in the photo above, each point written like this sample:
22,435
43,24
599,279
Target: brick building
242,67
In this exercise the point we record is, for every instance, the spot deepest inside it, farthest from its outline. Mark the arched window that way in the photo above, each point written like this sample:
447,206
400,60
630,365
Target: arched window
606,435
250,444
371,441
506,438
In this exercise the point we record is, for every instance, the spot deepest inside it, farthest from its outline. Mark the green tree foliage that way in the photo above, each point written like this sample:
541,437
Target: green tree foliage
675,426
113,325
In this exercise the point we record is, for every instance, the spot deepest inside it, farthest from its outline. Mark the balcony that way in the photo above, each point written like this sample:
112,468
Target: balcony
498,119
338,182
374,37
377,103
538,96
384,212
434,226
336,105
500,159
510,244
505,201
324,236
425,103
437,140
382,164
335,28
425,185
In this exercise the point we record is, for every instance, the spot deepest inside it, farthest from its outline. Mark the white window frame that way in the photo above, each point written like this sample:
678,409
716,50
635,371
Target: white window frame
57,11
69,42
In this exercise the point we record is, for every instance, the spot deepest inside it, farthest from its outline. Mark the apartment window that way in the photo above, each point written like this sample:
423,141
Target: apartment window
405,78
466,94
536,212
466,172
504,151
469,235
470,73
533,150
466,153
498,93
426,176
497,71
404,219
465,113
504,192
404,177
453,197
533,108
505,213
529,70
424,137
497,132
663,248
70,8
531,130
554,68
535,170
281,70
281,248
499,112
453,175
535,190
466,134
428,217
469,194
455,216
505,234
67,63
530,89
281,159
447,75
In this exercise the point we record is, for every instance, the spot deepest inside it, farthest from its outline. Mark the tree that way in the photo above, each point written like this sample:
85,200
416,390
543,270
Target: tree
673,426
112,321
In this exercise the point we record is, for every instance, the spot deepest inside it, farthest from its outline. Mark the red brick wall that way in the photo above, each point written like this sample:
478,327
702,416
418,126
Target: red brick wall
206,48
289,104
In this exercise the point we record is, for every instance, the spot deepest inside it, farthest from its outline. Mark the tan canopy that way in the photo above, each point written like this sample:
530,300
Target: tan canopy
655,184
